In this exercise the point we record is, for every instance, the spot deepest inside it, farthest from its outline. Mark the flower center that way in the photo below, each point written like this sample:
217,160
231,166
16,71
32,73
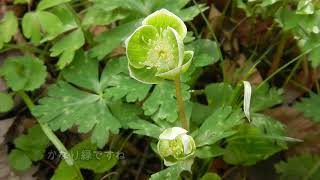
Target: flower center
160,55
176,147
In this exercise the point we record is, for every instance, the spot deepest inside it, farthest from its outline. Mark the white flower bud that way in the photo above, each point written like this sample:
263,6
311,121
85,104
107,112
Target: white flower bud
175,145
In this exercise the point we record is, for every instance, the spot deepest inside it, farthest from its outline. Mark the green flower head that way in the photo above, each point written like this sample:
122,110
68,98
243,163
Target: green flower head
155,50
175,145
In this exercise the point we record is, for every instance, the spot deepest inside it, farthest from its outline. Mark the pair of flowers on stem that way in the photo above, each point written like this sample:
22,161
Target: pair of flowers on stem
155,51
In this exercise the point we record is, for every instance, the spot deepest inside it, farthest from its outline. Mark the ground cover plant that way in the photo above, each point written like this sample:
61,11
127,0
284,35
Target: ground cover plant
159,89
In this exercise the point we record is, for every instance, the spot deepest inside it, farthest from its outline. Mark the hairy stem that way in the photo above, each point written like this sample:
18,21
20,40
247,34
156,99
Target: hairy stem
182,113
52,137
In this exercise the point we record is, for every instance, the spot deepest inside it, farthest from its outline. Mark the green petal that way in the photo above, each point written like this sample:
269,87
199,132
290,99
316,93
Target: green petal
180,46
162,19
187,59
144,75
138,46
188,55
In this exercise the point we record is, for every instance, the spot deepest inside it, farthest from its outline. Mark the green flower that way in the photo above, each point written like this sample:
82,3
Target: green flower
155,50
175,145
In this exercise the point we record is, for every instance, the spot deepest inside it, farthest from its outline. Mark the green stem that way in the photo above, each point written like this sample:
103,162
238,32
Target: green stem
182,113
301,86
125,141
293,71
52,137
277,57
23,47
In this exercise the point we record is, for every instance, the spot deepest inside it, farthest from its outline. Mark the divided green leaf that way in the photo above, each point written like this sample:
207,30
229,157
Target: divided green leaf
177,7
131,112
312,44
41,24
134,9
131,120
212,151
146,128
67,46
173,172
221,124
45,4
104,12
8,27
206,52
66,17
200,113
255,142
218,94
6,103
23,73
120,84
19,160
265,97
109,40
84,99
162,104
189,13
28,148
309,107
299,167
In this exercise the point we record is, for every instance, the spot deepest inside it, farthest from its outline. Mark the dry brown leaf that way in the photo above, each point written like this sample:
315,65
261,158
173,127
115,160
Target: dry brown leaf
6,173
3,86
120,50
215,18
235,45
299,127
97,30
229,68
5,124
248,33
255,78
291,93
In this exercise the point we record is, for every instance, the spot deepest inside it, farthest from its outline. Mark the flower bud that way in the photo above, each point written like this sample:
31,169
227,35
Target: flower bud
155,51
175,145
